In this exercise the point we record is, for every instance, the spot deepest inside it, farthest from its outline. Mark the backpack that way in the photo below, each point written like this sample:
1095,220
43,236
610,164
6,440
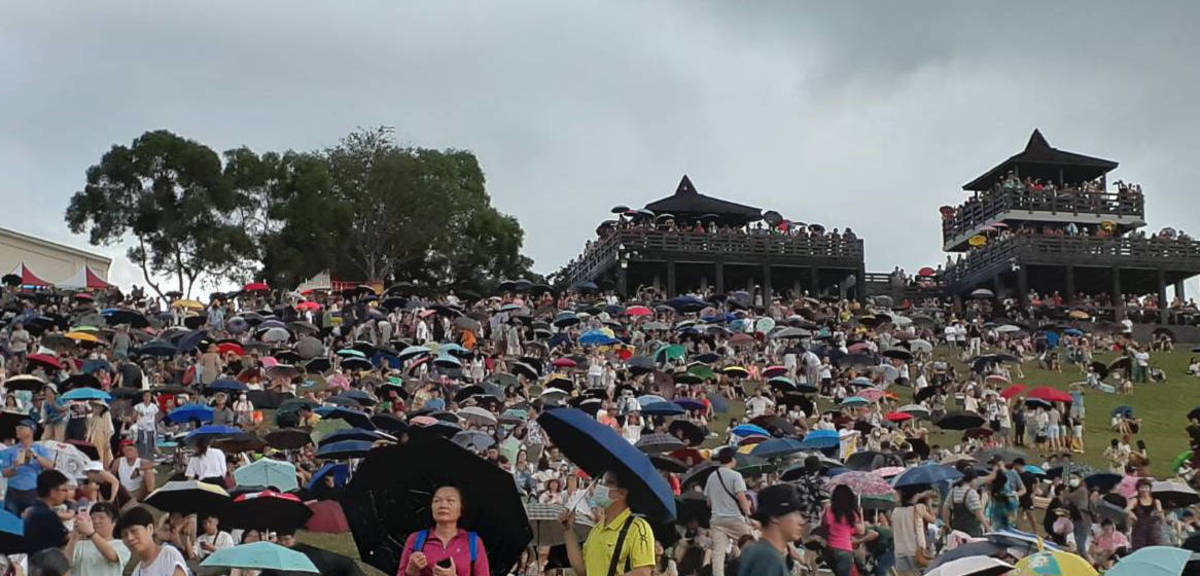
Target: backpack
472,539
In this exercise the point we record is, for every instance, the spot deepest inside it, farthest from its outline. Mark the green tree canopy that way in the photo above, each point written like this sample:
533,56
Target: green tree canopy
169,196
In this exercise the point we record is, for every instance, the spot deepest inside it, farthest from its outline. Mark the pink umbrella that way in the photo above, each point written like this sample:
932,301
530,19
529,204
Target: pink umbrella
862,483
327,518
339,381
1127,487
871,394
889,471
773,371
268,361
859,347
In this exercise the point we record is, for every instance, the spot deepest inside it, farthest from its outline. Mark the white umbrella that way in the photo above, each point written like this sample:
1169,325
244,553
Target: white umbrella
972,566
478,416
920,345
1007,328
916,410
67,458
547,529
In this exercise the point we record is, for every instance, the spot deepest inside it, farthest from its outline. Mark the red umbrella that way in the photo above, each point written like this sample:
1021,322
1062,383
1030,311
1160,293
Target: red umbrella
689,456
256,287
564,363
46,360
773,371
327,517
308,305
227,347
898,416
1049,394
639,311
926,272
1014,390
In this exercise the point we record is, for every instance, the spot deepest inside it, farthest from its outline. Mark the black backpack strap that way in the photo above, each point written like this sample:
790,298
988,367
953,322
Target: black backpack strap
616,557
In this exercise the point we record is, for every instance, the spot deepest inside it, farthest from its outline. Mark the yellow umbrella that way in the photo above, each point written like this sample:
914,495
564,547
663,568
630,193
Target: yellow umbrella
84,337
1053,563
188,304
977,241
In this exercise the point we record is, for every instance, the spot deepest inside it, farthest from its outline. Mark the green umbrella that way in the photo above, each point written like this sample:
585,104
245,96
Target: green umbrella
266,472
350,352
703,371
1181,459
260,556
672,352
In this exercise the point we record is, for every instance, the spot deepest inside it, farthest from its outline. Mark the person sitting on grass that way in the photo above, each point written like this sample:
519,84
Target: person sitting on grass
136,528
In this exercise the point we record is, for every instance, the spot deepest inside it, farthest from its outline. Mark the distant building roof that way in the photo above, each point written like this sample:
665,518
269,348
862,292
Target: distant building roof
686,203
54,245
1040,160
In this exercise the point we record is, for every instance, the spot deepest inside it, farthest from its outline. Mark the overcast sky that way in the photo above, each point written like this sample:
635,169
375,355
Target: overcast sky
861,114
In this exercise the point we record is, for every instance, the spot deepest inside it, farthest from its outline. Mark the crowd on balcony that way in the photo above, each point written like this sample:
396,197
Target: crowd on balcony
1036,194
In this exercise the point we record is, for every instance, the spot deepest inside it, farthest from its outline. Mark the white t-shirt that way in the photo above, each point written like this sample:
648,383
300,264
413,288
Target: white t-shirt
221,540
146,415
211,464
164,564
88,561
724,506
757,406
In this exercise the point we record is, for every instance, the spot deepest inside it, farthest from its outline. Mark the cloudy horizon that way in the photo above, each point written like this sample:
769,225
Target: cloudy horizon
867,114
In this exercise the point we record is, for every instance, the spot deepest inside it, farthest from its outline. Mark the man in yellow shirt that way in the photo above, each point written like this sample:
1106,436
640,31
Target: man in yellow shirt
622,545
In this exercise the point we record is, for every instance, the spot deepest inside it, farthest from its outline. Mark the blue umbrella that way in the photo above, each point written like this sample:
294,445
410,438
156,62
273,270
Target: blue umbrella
447,361
1073,332
597,338
92,366
1126,411
339,470
1152,561
350,434
927,475
650,399
191,413
12,533
84,394
276,474
345,449
360,396
227,385
192,340
261,556
1102,481
821,440
689,403
597,449
158,348
750,430
354,418
662,409
777,447
211,432
1035,470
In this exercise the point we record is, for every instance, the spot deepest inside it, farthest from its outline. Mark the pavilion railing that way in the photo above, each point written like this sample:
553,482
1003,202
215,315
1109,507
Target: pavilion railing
1078,250
639,243
983,210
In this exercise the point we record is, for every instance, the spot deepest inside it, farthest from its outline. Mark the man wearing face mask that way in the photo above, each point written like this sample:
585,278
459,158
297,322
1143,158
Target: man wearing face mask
622,544
1079,501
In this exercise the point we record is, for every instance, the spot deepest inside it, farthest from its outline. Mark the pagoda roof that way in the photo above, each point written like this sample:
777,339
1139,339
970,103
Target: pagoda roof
687,203
1040,160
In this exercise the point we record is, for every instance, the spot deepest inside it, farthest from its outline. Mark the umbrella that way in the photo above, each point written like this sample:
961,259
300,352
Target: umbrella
926,475
68,458
345,449
1152,561
1175,494
960,421
276,474
241,442
12,533
659,443
478,416
596,448
547,529
34,384
975,548
1014,390
288,438
668,464
1049,394
867,460
862,483
191,413
1005,454
354,418
84,394
188,497
749,430
339,470
1102,481
352,434
45,360
689,432
474,440
260,556
266,509
226,385
663,409
211,433
1053,563
916,410
390,496
982,293
777,448
972,566
821,439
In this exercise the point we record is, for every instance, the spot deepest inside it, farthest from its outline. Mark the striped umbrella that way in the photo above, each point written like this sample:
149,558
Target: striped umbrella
862,483
659,443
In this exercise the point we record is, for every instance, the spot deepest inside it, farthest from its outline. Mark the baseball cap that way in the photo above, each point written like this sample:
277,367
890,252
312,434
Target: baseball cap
28,424
775,501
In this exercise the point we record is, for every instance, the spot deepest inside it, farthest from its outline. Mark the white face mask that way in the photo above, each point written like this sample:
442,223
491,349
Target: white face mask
600,497
1074,482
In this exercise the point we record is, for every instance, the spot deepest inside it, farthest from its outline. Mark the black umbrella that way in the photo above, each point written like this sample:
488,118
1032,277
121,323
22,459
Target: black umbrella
870,460
288,438
1122,363
25,382
389,423
698,475
189,497
960,421
692,506
776,425
898,354
926,393
8,423
668,464
691,434
390,496
267,509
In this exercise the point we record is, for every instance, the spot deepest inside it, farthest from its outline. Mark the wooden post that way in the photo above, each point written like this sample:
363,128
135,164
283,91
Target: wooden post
670,278
1181,291
623,279
814,282
766,285
720,274
1070,295
1117,298
1163,306
1022,285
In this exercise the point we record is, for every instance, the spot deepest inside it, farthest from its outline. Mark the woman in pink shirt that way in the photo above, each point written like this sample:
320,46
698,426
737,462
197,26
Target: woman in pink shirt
446,549
844,520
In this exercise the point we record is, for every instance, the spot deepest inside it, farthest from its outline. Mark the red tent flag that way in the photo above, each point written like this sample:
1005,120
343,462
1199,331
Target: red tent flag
28,278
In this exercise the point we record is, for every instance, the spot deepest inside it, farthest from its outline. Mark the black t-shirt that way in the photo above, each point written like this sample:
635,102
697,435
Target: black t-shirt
43,528
131,375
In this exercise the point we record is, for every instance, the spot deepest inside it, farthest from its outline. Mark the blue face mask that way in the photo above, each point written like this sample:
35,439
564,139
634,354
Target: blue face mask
600,497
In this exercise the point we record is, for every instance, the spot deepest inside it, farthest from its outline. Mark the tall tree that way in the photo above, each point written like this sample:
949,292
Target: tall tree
168,196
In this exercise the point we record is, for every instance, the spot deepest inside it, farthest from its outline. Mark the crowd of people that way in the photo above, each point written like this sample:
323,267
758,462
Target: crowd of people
872,439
